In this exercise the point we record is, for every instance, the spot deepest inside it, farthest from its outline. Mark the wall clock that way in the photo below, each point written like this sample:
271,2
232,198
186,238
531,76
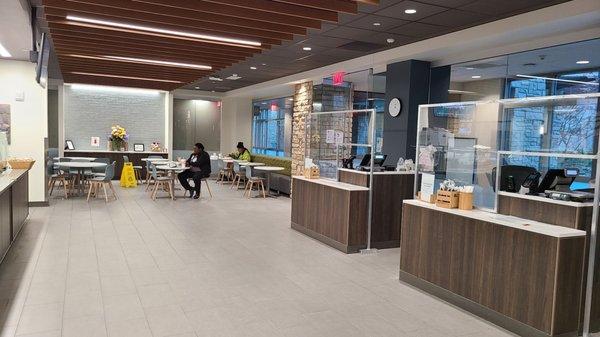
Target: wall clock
395,107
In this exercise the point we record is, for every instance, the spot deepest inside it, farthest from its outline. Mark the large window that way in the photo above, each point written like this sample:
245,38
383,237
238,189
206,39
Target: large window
272,126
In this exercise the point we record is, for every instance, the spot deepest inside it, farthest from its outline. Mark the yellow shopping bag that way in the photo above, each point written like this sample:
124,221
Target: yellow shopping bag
128,176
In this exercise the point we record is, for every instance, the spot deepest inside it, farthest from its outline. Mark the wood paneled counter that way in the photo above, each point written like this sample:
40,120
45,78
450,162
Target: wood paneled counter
134,157
14,206
524,275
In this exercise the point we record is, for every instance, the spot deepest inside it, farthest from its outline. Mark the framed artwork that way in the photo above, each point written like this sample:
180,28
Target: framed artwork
69,145
5,120
95,141
138,147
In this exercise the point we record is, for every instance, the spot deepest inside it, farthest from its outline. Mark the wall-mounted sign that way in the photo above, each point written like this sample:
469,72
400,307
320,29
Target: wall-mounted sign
339,137
330,136
95,141
338,77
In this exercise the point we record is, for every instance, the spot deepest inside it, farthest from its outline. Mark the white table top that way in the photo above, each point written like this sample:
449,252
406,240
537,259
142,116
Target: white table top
252,164
168,168
80,165
75,158
333,183
269,168
505,220
154,159
110,151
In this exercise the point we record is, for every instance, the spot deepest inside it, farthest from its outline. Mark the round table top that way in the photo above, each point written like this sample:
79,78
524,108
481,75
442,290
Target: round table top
154,159
80,164
168,168
75,158
252,164
269,168
227,160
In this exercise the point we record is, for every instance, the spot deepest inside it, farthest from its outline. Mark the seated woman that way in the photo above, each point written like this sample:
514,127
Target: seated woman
199,168
243,153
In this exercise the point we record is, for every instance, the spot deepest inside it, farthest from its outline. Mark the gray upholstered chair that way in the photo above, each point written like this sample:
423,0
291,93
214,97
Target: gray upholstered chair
165,181
103,181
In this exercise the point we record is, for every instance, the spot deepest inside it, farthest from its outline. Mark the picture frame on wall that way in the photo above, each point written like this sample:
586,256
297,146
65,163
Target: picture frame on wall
69,145
138,147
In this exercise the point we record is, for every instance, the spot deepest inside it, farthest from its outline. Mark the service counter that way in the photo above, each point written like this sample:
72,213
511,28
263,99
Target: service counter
524,275
14,206
336,212
117,156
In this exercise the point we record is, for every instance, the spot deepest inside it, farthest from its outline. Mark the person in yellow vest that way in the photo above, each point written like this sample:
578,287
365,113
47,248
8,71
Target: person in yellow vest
242,153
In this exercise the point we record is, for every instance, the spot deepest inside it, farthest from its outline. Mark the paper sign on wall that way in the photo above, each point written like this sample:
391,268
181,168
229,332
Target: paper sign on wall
330,137
95,141
339,137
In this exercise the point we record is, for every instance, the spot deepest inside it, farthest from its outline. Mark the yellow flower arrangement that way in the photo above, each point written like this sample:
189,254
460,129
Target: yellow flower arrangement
118,137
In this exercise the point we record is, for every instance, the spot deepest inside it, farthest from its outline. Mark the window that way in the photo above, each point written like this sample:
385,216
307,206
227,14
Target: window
272,126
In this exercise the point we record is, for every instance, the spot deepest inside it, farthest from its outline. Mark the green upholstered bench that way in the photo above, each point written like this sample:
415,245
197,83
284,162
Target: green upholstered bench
280,181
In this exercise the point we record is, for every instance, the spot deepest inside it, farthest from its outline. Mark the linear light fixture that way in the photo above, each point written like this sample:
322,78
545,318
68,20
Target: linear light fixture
4,52
93,87
125,77
157,62
143,61
164,31
557,79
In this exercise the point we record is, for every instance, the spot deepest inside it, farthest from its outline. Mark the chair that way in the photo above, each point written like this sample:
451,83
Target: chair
205,180
137,169
252,181
149,169
98,171
61,177
165,181
238,175
96,182
225,171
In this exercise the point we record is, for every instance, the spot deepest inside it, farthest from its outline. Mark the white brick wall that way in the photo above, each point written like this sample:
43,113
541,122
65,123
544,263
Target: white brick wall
89,113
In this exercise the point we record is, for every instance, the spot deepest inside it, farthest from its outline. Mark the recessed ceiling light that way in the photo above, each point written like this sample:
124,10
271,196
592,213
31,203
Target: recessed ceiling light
583,62
125,77
470,68
4,52
165,31
307,48
376,24
264,64
197,88
410,11
253,68
212,91
390,40
476,76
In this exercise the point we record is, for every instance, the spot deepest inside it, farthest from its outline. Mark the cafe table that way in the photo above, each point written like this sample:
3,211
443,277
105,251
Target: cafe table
268,170
172,171
80,167
153,160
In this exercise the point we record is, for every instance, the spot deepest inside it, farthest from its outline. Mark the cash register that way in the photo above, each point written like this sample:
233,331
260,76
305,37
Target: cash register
557,185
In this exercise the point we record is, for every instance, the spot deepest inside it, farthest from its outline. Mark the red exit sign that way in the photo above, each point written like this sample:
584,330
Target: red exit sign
338,77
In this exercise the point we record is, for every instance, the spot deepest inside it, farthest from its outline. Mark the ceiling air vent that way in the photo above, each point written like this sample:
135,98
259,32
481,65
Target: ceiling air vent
361,46
234,77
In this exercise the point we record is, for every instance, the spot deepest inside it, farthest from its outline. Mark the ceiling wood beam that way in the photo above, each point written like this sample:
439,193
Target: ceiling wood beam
343,6
282,8
127,72
96,80
93,6
234,11
190,26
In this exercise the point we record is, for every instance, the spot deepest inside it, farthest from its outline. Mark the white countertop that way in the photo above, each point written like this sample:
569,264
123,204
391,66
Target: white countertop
333,183
107,151
8,177
377,173
505,220
548,200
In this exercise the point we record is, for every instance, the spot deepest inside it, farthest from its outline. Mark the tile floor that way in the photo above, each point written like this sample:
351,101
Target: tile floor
222,267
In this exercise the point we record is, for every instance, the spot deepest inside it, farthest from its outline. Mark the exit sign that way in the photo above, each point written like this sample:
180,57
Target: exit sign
338,78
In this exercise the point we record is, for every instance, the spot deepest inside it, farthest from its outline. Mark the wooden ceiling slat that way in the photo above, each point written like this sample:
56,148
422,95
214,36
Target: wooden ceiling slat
121,72
94,49
92,6
72,78
343,6
71,37
283,8
234,11
138,37
190,26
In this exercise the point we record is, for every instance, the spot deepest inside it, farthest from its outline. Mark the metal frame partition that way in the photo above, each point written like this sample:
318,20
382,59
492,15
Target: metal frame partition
370,145
594,157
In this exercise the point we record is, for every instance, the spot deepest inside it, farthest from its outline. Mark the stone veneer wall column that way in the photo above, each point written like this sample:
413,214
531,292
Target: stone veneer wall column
303,106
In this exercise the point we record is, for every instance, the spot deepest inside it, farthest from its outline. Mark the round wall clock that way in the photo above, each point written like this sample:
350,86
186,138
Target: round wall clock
395,107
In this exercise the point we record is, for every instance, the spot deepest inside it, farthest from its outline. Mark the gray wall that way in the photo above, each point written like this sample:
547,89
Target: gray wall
196,121
52,118
91,112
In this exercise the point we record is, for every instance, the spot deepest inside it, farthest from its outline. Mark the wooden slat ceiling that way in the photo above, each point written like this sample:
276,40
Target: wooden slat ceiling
132,42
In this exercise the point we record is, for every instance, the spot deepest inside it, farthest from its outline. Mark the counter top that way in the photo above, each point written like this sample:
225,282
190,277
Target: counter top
333,183
376,173
548,200
505,220
9,177
107,151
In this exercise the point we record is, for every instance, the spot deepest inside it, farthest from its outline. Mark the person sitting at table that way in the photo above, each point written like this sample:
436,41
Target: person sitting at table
199,168
242,153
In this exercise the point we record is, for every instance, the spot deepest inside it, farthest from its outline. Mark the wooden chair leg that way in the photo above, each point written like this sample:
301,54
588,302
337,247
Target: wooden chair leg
208,188
105,194
155,190
90,191
112,188
170,186
51,185
262,185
